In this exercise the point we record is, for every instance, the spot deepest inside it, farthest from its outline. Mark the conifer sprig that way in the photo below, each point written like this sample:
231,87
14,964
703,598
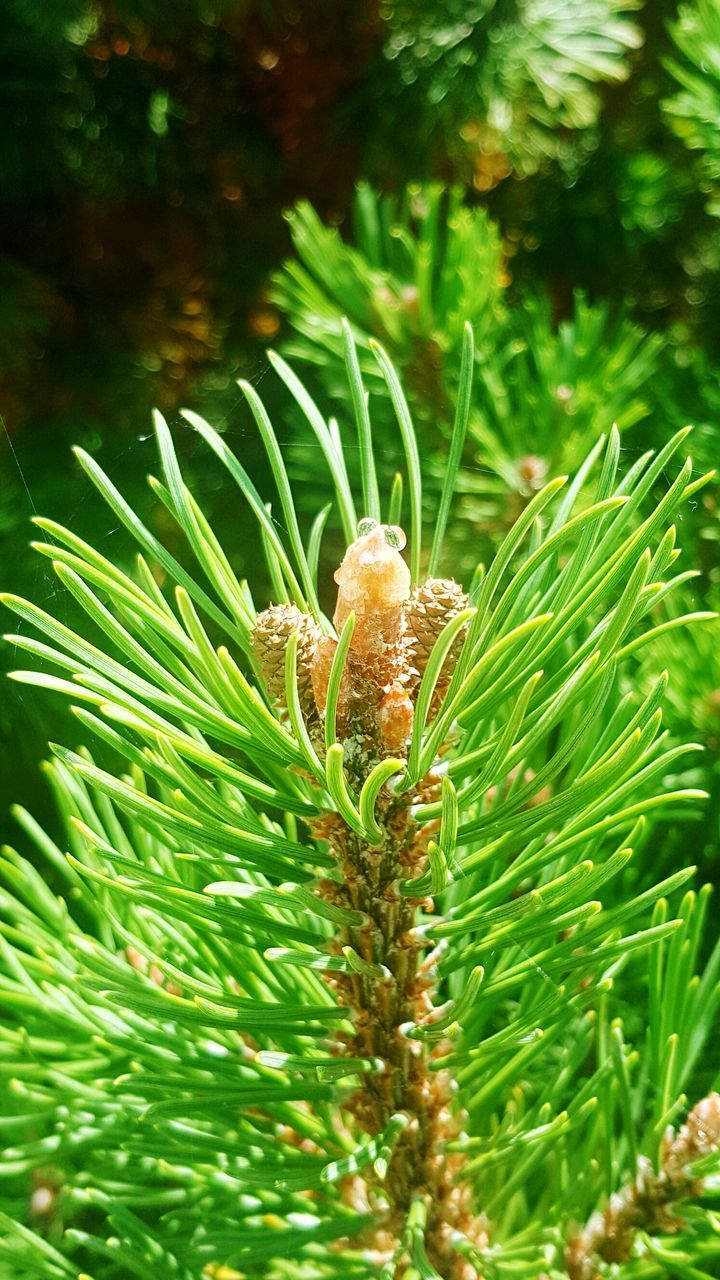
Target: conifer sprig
344,969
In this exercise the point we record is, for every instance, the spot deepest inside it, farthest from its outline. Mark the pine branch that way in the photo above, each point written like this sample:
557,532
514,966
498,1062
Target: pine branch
343,970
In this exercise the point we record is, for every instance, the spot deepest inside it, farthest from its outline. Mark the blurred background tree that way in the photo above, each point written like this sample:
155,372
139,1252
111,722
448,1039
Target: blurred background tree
419,266
694,110
148,150
502,88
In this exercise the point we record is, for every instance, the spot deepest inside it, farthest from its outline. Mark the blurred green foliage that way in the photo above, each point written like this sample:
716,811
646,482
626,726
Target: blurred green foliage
694,111
418,267
516,81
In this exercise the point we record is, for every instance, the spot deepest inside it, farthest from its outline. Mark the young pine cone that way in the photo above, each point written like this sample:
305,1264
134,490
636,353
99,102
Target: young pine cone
431,607
273,628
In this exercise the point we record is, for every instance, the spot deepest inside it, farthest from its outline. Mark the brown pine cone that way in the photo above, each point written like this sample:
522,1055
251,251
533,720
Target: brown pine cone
431,607
272,630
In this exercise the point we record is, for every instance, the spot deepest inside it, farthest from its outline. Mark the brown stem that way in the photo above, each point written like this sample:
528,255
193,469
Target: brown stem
381,1009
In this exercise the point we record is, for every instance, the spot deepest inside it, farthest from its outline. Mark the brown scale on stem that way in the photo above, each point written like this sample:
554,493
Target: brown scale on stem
395,629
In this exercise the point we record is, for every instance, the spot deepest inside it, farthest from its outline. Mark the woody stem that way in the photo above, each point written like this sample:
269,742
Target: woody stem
383,1008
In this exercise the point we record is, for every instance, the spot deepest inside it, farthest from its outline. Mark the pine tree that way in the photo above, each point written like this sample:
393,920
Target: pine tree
353,962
